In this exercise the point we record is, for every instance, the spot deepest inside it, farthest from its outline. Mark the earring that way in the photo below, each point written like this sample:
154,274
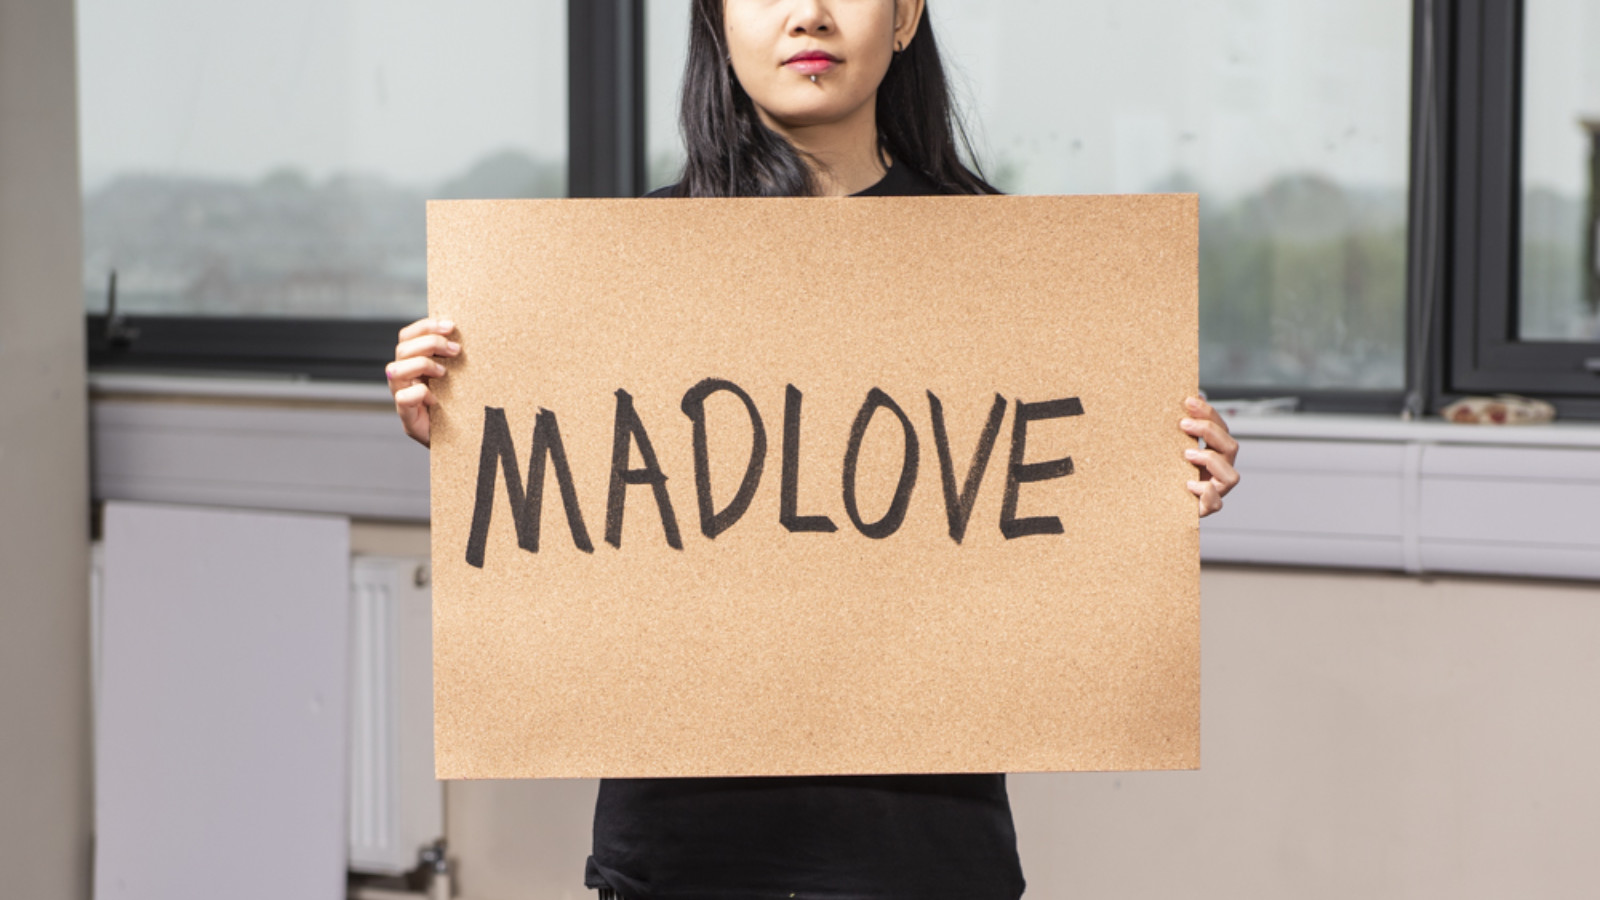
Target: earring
898,46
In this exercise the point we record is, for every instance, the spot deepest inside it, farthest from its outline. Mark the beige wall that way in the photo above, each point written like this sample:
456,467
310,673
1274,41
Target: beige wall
1365,735
44,639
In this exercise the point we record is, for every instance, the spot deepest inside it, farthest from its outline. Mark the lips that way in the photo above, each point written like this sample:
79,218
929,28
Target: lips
811,62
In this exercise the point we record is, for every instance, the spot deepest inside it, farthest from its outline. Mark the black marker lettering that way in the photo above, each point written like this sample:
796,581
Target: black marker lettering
1018,474
629,430
713,523
890,523
525,509
789,497
958,507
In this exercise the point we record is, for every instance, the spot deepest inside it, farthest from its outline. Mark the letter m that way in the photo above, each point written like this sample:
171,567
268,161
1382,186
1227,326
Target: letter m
525,505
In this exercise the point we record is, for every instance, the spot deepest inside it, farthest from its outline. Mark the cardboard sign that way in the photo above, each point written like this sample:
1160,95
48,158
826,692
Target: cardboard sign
809,486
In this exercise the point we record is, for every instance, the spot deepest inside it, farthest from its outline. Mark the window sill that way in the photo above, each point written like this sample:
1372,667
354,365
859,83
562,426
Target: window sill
108,385
1319,490
1391,429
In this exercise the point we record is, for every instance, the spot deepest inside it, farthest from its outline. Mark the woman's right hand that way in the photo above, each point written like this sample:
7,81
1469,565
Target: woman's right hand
414,363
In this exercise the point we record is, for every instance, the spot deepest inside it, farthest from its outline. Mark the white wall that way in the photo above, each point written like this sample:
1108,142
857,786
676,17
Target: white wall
44,529
1371,736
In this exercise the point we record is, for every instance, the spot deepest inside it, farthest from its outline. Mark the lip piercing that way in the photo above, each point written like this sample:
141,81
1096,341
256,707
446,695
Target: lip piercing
813,79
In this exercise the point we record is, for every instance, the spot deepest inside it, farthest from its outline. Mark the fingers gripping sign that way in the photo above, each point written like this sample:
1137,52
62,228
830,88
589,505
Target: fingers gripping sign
416,360
1215,456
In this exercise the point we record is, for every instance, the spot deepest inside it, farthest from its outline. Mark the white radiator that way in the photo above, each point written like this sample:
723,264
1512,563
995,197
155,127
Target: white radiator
395,805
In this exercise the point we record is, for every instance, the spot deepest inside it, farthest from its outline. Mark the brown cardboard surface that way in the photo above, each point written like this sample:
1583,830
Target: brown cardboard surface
765,651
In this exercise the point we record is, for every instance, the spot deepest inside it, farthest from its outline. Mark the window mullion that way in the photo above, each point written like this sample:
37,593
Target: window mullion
606,97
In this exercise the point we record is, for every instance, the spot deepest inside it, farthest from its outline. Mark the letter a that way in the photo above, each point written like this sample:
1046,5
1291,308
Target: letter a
629,430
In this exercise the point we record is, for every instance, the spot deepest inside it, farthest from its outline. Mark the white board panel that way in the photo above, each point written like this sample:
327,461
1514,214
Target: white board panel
1555,514
1501,463
1513,560
221,740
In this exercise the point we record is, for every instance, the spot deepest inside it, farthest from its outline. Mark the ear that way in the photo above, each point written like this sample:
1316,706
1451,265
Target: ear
907,16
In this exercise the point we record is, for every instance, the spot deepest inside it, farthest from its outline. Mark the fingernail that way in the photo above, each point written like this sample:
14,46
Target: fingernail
1187,423
1195,486
454,347
1192,454
447,325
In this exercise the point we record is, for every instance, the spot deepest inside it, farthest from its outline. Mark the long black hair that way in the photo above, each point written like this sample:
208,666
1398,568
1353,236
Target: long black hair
731,153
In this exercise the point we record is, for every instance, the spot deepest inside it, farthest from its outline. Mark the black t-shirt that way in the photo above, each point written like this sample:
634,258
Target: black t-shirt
862,837
899,181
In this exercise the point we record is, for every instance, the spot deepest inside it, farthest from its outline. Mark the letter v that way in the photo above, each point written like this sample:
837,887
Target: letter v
958,507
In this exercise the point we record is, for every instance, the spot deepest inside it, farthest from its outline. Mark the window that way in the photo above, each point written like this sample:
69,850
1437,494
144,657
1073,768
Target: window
1397,198
272,158
1524,224
1291,120
251,165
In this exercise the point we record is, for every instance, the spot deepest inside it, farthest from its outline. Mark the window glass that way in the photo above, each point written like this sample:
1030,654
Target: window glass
1560,218
256,158
666,48
1291,120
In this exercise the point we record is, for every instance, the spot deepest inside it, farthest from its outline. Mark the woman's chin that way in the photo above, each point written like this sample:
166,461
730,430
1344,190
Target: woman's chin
810,113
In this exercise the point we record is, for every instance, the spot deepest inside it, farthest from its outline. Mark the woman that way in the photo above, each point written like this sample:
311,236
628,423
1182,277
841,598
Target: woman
822,98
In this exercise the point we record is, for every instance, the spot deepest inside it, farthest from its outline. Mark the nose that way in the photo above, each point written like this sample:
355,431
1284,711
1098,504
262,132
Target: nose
810,17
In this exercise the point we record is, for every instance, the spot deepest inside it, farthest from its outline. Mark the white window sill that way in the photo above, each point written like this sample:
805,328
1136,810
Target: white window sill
1318,490
1389,429
108,385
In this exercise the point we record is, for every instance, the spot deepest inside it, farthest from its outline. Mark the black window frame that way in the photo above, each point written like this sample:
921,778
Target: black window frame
1461,254
1483,353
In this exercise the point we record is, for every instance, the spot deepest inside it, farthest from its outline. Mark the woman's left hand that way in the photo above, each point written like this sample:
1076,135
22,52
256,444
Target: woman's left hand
1217,475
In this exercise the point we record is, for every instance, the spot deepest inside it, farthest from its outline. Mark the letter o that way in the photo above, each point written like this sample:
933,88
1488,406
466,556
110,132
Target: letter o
890,523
